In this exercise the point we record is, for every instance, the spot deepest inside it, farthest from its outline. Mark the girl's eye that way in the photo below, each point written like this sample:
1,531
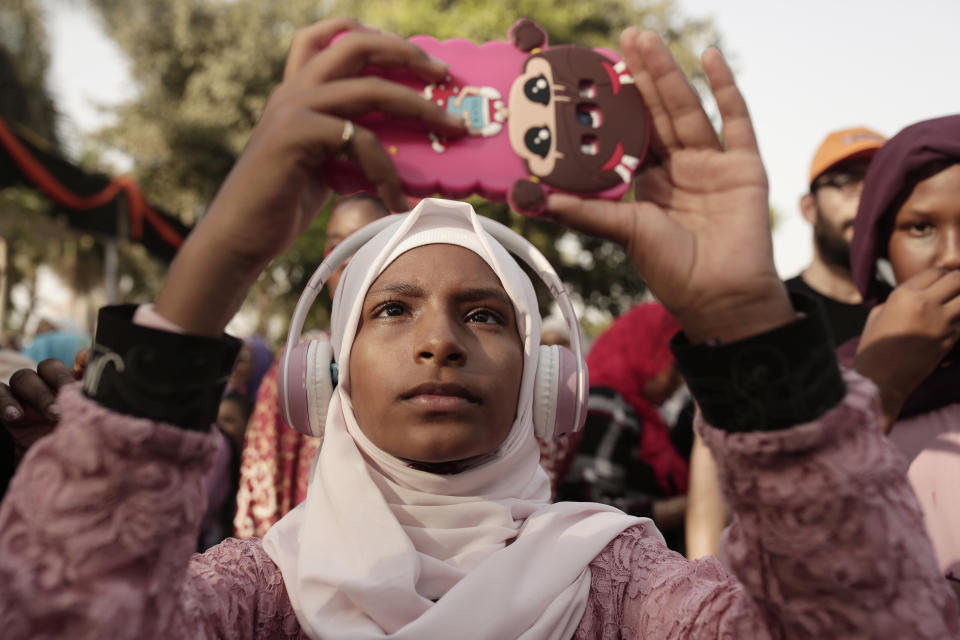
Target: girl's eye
389,310
920,228
484,316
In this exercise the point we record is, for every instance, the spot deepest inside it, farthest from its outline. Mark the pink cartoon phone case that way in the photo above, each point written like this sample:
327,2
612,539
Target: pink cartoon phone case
540,119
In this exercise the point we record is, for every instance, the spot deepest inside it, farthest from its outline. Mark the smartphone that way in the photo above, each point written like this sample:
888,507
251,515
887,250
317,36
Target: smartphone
539,119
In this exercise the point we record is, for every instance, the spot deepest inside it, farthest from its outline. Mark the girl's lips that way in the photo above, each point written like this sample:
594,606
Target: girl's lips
440,403
440,389
436,396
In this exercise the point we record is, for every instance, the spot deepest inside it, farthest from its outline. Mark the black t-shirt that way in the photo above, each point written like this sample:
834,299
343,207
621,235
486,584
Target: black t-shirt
844,320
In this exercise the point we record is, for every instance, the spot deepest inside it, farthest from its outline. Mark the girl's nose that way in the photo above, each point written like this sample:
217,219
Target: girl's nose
440,342
948,253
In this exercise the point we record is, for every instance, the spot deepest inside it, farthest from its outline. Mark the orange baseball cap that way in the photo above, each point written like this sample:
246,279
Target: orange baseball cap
843,145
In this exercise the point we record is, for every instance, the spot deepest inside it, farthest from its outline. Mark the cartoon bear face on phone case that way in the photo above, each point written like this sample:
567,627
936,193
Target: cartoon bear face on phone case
539,119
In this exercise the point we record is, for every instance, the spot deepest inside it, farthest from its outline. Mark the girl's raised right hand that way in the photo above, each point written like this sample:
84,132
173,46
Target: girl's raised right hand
699,231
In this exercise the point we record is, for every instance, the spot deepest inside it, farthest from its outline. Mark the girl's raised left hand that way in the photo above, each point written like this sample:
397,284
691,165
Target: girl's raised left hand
276,188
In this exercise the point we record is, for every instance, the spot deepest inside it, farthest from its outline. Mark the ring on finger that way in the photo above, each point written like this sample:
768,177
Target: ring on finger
346,138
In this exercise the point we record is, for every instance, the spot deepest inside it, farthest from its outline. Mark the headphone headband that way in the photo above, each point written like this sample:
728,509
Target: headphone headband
510,239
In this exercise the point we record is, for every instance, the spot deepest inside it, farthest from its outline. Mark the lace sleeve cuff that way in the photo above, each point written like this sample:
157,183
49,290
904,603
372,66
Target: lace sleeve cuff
772,381
150,373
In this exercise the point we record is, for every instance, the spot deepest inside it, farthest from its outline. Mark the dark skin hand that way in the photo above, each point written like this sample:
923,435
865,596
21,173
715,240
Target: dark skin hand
916,327
28,405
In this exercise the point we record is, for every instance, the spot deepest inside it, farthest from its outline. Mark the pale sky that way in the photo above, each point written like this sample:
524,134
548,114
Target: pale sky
806,67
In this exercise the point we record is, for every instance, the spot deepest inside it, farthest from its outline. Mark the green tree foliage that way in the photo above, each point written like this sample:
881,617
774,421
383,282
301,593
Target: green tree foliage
34,239
24,59
27,107
204,68
597,23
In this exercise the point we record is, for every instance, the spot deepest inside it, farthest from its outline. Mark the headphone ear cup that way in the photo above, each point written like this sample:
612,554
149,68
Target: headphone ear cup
545,392
320,385
306,387
555,394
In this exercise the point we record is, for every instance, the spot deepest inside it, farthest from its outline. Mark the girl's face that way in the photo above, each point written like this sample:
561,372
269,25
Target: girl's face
436,365
926,230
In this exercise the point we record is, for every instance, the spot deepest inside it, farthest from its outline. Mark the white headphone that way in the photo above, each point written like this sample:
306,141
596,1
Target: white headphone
308,372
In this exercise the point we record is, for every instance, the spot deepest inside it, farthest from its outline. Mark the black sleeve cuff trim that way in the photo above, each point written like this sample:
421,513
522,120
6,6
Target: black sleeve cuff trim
767,382
154,374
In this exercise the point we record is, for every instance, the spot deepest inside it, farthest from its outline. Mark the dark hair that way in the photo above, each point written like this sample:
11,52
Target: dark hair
242,400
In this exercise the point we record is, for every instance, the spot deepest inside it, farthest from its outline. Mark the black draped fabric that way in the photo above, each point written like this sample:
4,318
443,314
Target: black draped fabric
160,233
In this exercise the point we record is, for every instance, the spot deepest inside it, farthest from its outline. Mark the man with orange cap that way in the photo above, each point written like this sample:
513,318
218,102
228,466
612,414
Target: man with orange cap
836,178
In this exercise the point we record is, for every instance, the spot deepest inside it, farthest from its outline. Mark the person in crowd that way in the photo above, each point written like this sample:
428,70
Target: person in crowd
836,180
909,217
52,341
275,466
428,514
626,457
830,206
250,367
222,480
25,425
233,416
10,450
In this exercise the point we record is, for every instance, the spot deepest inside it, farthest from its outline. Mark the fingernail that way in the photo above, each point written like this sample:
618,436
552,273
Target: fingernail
440,63
12,413
54,411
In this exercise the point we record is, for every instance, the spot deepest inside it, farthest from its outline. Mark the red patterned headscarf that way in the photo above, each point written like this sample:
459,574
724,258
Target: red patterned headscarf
274,466
624,358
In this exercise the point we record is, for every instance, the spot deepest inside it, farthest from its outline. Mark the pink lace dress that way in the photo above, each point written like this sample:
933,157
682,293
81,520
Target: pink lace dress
97,529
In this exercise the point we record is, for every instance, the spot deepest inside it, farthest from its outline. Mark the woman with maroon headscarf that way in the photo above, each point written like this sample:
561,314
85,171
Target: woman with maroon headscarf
909,216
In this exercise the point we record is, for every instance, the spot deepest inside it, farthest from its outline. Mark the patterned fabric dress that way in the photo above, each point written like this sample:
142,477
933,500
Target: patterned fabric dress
275,465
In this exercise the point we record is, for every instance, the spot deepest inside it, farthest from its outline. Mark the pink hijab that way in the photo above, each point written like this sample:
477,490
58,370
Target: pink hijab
380,549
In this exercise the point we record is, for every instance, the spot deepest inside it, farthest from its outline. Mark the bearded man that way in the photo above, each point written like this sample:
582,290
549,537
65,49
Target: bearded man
836,180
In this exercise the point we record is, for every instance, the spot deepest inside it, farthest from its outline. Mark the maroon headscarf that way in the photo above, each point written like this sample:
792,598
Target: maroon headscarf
893,173
902,162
